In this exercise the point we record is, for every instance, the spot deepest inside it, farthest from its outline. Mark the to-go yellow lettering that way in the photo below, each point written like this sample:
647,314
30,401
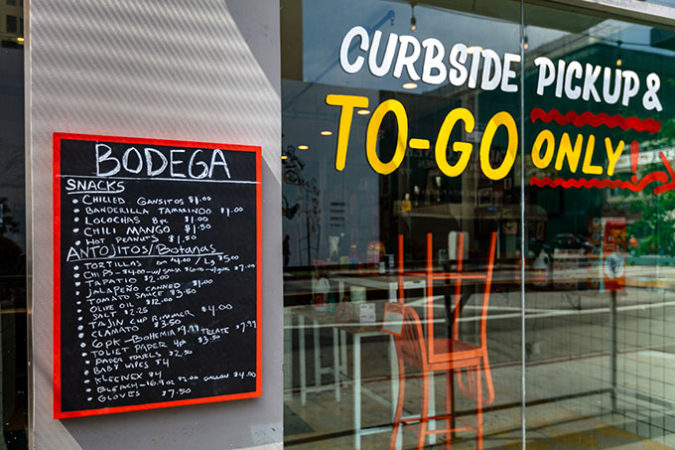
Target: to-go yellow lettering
464,148
348,103
500,119
386,107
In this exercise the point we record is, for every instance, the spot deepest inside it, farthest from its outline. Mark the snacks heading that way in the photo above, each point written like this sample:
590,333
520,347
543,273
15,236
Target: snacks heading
475,67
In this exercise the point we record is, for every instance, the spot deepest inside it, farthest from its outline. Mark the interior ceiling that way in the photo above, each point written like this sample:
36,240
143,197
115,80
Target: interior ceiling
509,10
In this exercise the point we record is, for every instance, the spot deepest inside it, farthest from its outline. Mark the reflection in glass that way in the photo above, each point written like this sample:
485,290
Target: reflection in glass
598,301
453,357
410,169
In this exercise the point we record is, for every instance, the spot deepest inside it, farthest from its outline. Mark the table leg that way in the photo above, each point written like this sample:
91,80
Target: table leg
288,351
303,363
343,351
613,348
317,353
336,364
357,392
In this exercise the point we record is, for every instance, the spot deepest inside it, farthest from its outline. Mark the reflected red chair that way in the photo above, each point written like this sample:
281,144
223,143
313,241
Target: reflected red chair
450,355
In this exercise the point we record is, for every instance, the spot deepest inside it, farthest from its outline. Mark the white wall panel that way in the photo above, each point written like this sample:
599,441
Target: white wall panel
166,69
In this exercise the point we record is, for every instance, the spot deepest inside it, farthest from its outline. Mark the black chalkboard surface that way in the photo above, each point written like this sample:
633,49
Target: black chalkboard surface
157,273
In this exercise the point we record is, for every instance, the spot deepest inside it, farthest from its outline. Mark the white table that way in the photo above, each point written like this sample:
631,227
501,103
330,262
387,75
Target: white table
318,320
380,282
339,369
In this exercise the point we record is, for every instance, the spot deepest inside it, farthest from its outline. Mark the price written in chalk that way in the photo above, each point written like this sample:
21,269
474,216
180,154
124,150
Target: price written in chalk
246,325
196,200
213,309
227,211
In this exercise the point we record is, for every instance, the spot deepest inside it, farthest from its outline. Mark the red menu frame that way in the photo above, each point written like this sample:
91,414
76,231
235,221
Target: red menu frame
56,166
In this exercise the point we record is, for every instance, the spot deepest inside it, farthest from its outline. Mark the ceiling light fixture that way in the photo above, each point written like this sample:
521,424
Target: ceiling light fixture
619,61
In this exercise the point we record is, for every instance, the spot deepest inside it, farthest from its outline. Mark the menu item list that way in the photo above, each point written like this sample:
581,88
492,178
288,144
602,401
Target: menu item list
157,273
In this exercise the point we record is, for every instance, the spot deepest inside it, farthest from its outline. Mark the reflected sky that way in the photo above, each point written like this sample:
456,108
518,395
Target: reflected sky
325,26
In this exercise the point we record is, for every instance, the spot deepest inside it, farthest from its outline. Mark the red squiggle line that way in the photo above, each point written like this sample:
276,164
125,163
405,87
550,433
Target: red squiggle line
661,177
595,120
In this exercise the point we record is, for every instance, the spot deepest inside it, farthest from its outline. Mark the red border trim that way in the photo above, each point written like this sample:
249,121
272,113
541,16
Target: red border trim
56,164
56,142
595,120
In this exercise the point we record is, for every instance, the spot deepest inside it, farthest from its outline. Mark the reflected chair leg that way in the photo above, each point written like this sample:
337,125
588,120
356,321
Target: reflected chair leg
465,388
393,372
479,409
425,410
448,409
431,410
488,379
399,404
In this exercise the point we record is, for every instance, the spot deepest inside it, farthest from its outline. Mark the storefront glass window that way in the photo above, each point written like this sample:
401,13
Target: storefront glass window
398,281
599,154
423,178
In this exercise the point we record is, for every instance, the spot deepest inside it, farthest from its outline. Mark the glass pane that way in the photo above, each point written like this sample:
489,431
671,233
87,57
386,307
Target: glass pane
400,239
13,332
599,306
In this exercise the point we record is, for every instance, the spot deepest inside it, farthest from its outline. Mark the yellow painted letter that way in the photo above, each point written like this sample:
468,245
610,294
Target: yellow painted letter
565,151
539,161
348,103
499,119
587,168
465,148
401,142
612,155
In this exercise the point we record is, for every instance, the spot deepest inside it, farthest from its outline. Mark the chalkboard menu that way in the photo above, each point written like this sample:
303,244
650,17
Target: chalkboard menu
157,273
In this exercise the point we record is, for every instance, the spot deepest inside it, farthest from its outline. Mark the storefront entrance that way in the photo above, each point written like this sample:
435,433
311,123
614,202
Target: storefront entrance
478,222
